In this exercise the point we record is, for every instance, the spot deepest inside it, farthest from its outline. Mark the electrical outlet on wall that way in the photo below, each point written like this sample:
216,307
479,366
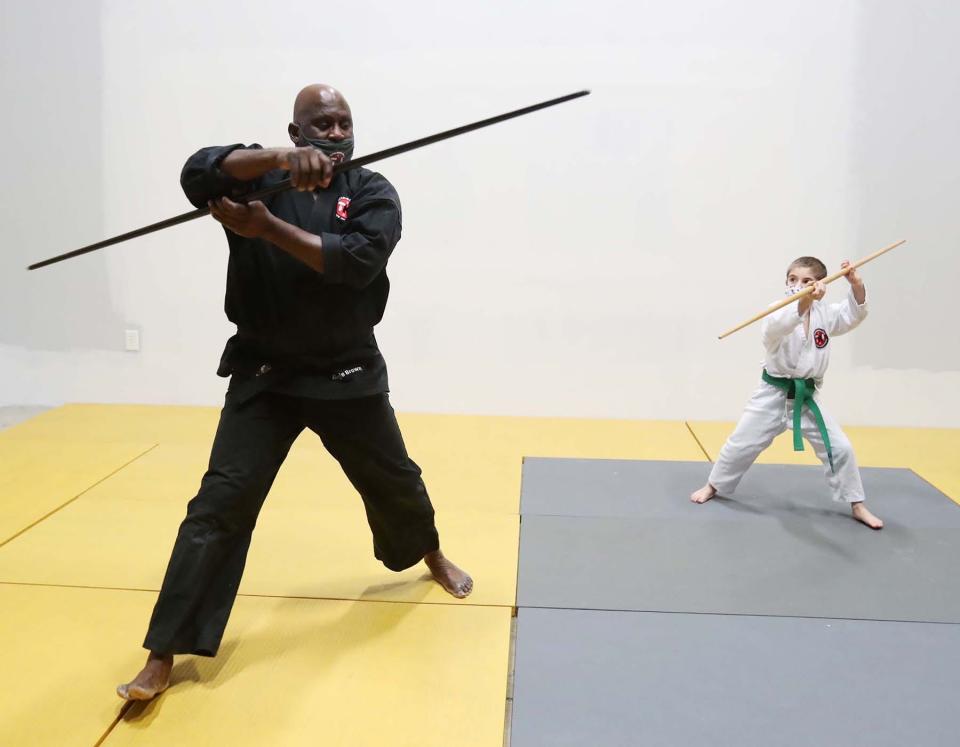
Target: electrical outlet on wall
133,340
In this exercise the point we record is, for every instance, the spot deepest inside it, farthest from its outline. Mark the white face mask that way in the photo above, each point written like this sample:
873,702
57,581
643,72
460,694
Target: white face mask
792,290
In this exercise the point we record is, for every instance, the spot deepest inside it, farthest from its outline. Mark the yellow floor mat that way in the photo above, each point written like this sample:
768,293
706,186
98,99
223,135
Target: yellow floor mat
475,463
290,672
469,462
92,422
311,475
39,476
946,481
106,540
933,453
64,651
552,437
930,448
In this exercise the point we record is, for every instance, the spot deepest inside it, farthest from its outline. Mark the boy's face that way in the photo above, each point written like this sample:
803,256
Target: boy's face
800,276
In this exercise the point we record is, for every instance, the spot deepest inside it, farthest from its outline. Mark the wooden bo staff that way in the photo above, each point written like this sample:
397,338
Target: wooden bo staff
809,289
337,169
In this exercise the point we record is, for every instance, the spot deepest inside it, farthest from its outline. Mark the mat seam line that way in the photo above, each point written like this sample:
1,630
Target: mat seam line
124,710
261,596
77,496
741,614
514,612
939,490
687,423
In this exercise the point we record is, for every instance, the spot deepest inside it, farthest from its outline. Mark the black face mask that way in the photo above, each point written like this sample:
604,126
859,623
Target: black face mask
336,150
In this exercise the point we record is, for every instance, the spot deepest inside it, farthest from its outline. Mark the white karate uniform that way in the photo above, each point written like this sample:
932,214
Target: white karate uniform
794,355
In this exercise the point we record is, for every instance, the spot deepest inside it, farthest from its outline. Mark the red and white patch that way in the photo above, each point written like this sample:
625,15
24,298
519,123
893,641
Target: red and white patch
820,337
342,204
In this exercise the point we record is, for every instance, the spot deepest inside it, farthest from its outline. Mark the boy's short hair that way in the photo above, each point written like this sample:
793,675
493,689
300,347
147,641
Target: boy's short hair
810,263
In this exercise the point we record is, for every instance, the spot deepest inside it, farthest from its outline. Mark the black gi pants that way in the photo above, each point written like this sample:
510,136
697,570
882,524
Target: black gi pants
252,441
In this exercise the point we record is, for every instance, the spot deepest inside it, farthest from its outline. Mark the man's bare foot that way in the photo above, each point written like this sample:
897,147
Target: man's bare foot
153,679
455,581
704,494
863,515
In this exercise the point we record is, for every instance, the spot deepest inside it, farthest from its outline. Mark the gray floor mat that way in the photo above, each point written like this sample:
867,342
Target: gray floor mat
792,552
659,489
627,678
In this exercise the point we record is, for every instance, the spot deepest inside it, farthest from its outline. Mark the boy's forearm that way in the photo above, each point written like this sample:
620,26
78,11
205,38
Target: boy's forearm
859,293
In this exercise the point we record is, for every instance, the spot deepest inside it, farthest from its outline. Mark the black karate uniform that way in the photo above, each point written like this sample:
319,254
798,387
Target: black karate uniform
304,356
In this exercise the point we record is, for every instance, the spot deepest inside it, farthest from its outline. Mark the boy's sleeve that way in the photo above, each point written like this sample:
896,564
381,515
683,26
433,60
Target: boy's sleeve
779,324
846,315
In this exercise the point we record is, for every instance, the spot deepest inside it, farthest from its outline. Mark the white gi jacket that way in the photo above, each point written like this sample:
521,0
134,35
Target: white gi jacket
793,355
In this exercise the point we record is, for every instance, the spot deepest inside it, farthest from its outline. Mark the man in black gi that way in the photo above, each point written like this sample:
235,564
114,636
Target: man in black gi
306,284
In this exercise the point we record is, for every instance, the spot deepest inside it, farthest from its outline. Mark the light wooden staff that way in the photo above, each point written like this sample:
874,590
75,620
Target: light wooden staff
809,289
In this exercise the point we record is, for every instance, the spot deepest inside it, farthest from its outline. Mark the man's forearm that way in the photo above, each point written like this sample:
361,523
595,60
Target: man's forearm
249,163
299,244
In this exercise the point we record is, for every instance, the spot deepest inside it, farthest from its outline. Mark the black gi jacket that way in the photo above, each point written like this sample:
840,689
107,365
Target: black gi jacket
299,331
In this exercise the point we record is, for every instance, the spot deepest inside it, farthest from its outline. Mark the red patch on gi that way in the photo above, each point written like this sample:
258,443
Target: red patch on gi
820,338
342,204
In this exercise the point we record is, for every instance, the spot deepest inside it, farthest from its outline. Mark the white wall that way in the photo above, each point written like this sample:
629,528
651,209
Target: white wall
580,261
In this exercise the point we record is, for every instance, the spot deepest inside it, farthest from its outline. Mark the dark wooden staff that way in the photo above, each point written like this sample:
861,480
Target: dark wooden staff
286,183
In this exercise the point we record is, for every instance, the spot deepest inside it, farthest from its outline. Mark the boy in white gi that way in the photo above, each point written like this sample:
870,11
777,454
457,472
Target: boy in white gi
797,341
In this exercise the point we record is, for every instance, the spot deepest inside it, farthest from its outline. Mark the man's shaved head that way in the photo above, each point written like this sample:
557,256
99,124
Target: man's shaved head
321,117
316,96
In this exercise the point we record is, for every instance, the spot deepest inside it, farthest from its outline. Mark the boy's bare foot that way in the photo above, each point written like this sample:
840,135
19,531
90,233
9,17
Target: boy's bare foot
455,581
704,494
863,515
153,679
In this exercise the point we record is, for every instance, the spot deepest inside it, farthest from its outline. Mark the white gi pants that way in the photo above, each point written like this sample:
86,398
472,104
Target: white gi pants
768,414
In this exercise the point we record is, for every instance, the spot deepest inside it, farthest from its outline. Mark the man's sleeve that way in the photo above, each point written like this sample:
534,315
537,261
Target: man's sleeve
355,257
202,178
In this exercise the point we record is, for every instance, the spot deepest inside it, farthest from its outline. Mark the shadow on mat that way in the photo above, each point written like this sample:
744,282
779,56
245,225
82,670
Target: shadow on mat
188,669
797,521
739,506
283,632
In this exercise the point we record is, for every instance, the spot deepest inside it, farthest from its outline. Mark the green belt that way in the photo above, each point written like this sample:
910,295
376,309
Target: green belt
801,392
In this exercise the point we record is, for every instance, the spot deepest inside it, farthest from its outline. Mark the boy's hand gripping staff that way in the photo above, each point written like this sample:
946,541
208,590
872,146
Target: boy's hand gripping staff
809,289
